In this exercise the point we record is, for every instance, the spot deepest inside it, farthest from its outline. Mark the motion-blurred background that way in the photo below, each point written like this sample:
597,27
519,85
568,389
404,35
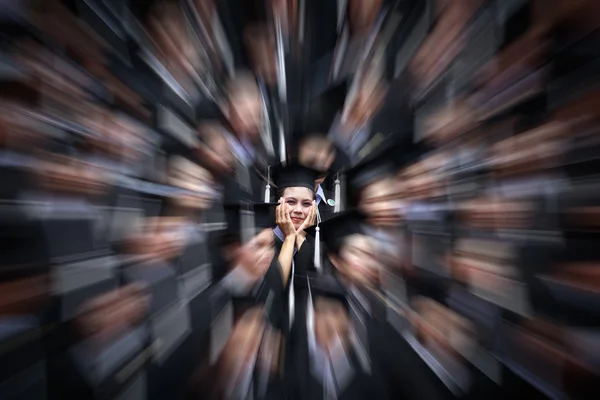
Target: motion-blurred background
466,131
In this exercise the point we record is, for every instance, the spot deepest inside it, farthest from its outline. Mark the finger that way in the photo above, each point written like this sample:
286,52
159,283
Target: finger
278,208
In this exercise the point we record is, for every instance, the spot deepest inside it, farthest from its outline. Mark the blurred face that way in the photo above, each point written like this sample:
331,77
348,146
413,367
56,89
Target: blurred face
366,103
317,153
379,202
67,175
362,14
23,296
192,177
246,115
244,341
260,251
261,47
298,201
216,153
109,314
357,260
331,321
168,238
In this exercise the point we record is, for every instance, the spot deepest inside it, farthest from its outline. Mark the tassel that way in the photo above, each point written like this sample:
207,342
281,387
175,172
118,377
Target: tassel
317,259
268,187
292,299
337,196
310,317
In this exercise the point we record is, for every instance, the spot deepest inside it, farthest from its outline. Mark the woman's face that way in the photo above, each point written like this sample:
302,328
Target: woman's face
298,201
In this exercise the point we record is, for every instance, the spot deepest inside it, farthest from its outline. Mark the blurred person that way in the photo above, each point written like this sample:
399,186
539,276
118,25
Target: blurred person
106,322
252,280
260,44
215,151
374,189
368,119
243,368
318,152
248,251
21,136
360,23
176,51
362,15
373,348
172,293
66,177
244,113
352,130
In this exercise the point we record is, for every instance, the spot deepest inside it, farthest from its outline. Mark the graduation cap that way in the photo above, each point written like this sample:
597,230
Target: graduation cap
378,165
293,175
244,220
335,229
325,105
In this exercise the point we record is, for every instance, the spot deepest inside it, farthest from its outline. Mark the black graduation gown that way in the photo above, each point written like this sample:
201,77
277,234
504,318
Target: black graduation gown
271,293
326,210
303,259
397,372
303,264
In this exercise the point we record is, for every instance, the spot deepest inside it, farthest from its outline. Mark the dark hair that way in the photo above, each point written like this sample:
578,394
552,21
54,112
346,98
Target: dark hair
279,192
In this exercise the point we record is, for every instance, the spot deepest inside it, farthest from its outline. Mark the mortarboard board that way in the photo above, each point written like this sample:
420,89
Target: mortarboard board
377,165
293,175
333,230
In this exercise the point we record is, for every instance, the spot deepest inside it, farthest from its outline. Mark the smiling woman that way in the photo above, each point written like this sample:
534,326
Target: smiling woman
297,211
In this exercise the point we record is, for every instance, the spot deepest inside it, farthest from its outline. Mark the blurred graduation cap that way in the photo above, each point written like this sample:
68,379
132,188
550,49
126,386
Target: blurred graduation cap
325,103
244,220
377,165
334,230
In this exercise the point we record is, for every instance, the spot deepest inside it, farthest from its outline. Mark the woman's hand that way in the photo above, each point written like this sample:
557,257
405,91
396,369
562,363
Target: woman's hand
284,222
309,221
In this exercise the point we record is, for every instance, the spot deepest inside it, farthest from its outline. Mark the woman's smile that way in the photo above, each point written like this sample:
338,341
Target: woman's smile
297,220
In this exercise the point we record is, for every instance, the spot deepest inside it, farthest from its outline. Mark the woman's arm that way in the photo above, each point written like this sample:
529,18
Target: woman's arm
285,258
287,249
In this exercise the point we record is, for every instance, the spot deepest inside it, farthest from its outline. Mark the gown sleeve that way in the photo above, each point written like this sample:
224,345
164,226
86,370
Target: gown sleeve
304,259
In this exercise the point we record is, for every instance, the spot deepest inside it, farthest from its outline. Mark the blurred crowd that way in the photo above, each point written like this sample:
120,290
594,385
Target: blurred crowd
312,199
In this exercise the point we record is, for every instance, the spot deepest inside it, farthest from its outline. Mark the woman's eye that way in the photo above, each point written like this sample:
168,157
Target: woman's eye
290,202
307,204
